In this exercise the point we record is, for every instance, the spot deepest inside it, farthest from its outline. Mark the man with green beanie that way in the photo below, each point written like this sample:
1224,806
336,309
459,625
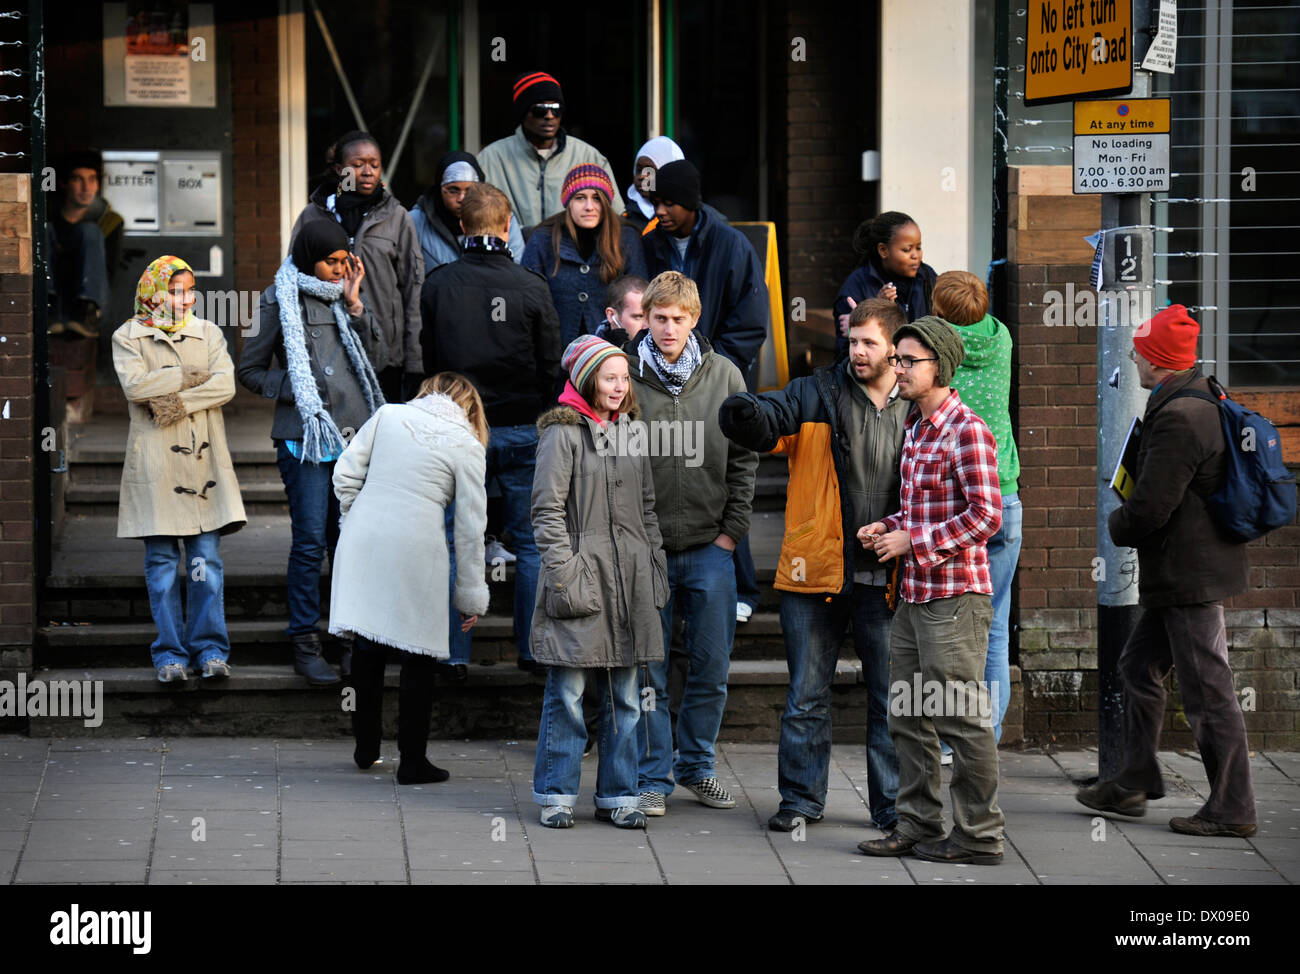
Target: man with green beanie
950,507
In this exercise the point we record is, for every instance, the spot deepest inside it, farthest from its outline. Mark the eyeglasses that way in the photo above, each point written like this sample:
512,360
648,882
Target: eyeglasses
907,361
1132,355
547,108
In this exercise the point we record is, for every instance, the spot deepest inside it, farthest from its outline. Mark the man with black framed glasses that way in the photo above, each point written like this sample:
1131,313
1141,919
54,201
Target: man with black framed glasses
530,165
951,505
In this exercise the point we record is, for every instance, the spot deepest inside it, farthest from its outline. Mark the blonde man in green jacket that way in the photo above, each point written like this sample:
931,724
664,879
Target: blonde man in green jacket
530,165
704,492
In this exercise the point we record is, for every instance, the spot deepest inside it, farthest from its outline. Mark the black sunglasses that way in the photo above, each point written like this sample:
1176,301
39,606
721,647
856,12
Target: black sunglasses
547,108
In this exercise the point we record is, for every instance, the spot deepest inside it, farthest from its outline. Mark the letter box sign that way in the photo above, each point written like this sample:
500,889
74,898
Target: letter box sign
1078,47
191,193
131,186
169,194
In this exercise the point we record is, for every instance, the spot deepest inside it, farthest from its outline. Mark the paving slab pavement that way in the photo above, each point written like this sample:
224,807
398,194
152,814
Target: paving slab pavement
258,811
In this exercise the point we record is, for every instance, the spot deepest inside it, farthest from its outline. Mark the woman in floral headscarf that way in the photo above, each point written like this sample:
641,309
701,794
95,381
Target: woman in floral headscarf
178,484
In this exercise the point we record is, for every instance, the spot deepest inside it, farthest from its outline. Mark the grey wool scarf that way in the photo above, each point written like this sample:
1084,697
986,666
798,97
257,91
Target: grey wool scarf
320,436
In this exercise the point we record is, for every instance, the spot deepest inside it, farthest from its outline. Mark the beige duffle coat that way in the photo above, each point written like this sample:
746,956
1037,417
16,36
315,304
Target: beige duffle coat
178,479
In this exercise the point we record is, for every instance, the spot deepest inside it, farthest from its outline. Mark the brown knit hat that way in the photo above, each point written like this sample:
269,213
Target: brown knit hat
939,337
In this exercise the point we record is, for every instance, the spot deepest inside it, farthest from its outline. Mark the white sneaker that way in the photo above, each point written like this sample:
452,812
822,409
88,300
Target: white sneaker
743,611
494,551
557,817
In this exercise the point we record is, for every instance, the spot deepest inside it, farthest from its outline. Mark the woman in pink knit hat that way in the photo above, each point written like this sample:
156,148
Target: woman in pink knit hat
582,249
604,579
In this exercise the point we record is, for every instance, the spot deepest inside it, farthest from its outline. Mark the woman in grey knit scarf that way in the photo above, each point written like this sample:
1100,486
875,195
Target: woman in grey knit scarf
308,356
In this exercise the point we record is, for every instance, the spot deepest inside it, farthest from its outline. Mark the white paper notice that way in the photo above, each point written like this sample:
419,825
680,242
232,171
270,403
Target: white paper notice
157,79
1164,48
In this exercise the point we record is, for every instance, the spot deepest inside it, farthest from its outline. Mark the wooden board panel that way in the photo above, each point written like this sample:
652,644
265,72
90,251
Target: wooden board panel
1060,213
1040,180
1048,247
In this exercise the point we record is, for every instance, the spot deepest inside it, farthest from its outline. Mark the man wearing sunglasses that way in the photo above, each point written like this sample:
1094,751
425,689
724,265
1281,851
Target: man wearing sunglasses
530,165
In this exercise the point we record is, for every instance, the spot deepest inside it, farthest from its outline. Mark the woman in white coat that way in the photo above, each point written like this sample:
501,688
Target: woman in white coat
394,483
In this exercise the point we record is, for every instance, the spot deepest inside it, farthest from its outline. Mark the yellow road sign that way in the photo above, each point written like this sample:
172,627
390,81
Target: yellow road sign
1078,47
1122,116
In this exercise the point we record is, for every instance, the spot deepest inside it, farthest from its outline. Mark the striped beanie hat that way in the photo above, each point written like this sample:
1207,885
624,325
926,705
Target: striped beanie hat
586,175
583,357
535,88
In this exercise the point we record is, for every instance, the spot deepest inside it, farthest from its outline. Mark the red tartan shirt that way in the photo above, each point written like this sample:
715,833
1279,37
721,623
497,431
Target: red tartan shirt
951,502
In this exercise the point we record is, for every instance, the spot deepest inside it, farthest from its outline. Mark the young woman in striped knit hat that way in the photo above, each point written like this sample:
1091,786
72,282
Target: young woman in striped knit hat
604,579
583,248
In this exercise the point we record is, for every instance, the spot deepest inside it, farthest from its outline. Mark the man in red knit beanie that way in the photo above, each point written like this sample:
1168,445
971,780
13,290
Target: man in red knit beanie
1187,567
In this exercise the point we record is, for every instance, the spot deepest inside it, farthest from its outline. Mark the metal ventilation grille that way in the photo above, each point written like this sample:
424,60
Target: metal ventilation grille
1233,211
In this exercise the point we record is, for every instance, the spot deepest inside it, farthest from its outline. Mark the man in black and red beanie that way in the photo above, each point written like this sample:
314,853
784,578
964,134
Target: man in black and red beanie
1186,568
540,153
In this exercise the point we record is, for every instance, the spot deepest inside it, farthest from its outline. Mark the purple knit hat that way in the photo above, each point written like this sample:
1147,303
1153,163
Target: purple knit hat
586,175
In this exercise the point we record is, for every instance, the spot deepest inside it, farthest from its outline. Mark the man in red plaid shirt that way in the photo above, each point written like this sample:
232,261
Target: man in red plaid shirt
951,506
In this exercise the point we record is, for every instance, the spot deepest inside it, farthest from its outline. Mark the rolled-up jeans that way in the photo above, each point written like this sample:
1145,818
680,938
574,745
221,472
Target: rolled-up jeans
562,734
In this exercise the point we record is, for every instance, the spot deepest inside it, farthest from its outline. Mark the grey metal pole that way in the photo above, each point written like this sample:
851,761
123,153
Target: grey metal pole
1116,571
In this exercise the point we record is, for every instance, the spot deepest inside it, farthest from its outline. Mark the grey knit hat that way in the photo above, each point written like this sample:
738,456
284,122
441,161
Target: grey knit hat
939,337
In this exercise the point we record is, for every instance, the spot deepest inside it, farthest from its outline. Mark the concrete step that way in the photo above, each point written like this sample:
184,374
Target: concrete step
263,640
495,701
100,497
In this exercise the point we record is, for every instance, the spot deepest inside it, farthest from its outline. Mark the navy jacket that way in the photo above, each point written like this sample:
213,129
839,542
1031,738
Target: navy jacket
866,282
577,289
733,296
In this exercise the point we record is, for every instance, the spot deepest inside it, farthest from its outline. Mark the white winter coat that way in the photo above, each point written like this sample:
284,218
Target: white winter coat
389,581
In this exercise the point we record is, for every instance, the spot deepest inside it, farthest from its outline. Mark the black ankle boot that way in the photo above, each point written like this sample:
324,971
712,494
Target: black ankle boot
414,712
308,662
368,717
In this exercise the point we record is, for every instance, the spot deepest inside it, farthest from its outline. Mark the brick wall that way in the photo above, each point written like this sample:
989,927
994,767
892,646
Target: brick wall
255,82
17,513
1056,432
830,120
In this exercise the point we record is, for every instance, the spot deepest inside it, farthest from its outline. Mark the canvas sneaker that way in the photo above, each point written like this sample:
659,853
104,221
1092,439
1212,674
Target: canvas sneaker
557,817
710,793
623,817
652,803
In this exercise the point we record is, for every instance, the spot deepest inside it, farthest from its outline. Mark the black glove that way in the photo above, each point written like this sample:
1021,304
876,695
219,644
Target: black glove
740,419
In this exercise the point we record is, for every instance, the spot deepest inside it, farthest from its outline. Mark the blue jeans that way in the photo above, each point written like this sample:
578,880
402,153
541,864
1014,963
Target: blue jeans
79,272
704,580
746,576
813,626
1004,553
458,643
314,523
511,460
562,734
199,634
